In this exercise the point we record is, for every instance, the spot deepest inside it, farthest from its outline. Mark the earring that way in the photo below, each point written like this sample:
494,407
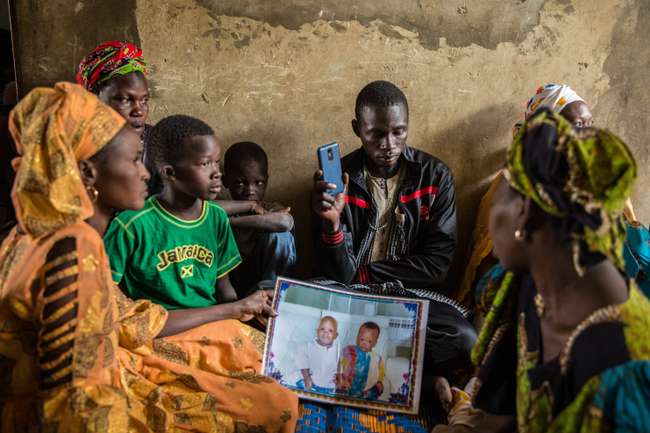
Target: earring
520,235
92,191
539,305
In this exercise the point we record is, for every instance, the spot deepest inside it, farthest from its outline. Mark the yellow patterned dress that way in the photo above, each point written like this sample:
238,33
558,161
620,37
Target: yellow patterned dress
77,356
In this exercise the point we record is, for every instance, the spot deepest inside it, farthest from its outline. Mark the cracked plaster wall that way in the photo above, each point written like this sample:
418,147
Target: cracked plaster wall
285,73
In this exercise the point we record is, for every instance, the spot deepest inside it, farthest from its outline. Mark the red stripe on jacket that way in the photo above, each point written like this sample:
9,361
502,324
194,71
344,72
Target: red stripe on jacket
362,275
429,190
356,201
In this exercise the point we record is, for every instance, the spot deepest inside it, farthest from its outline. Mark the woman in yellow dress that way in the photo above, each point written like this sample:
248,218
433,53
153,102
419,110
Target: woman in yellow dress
75,354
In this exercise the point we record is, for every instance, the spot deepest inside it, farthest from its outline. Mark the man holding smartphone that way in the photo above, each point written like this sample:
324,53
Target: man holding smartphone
393,229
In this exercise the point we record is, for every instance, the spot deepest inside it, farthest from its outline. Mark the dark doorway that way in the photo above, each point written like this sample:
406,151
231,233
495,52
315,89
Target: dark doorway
8,93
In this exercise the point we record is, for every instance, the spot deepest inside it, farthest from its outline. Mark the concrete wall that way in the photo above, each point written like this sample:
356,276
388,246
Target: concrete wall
285,73
4,15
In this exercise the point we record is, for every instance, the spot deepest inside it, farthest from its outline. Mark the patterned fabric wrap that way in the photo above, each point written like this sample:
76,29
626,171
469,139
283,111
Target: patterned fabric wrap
77,355
53,128
322,418
555,97
637,255
622,395
583,177
107,60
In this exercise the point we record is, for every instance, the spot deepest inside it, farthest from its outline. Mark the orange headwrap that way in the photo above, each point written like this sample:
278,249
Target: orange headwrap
53,129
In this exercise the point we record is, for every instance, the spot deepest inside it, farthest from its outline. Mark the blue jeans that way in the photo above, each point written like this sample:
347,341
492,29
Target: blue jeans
274,254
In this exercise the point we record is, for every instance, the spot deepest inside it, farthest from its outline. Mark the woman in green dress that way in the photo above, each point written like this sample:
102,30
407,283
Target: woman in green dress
565,346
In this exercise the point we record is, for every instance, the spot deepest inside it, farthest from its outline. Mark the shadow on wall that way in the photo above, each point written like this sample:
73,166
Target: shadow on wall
472,147
624,107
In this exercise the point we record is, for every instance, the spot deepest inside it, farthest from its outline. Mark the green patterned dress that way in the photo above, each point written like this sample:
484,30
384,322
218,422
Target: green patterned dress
600,382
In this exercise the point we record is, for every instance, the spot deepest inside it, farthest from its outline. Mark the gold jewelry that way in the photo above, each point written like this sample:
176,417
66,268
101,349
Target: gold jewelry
520,235
539,305
610,313
92,191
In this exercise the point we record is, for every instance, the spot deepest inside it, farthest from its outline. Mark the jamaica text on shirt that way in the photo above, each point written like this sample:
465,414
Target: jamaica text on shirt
185,252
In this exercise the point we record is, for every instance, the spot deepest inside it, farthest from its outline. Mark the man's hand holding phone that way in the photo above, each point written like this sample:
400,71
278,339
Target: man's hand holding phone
326,206
330,186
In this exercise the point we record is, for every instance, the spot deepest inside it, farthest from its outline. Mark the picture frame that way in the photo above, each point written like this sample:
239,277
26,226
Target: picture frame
349,348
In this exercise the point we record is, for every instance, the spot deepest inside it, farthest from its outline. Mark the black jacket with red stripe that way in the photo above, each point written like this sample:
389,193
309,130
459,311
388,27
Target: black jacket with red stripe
421,241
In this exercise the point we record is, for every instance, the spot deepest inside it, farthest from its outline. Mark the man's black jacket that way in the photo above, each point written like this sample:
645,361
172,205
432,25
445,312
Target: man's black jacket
422,240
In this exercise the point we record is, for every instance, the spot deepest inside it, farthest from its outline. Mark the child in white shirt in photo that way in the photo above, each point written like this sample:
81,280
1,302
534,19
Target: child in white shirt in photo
318,359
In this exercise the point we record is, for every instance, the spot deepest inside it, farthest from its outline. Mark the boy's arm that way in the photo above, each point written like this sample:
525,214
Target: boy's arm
227,258
380,380
345,370
225,291
302,363
234,207
259,304
307,377
269,222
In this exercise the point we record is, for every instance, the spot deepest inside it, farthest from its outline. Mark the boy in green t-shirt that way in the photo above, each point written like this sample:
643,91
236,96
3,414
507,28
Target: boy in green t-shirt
178,250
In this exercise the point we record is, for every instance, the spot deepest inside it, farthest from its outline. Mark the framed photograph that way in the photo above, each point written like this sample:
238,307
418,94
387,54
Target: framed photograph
349,348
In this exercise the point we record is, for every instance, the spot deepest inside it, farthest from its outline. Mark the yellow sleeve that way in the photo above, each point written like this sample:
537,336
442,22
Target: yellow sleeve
140,321
78,378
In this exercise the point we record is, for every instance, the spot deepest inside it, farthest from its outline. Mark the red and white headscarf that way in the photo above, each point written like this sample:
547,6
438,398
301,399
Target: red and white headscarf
553,96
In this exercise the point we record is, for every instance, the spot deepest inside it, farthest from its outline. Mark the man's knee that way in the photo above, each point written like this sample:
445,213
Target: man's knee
449,341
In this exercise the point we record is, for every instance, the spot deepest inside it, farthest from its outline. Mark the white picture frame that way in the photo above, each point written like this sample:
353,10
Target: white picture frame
377,367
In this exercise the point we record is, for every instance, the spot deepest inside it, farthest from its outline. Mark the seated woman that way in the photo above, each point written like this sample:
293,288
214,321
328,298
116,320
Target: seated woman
481,275
564,346
116,72
76,354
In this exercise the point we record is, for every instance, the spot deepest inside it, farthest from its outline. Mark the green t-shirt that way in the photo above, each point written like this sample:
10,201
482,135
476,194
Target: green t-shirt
173,262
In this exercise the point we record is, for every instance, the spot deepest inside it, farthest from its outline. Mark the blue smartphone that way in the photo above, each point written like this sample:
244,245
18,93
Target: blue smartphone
329,160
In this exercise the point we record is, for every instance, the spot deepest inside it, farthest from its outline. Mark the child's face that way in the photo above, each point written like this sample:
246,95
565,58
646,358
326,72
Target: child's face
247,181
367,339
326,332
198,174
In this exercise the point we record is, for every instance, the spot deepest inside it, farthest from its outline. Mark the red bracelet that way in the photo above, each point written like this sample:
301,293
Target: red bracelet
333,238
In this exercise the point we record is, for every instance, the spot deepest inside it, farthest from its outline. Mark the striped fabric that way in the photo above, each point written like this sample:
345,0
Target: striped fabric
316,418
59,315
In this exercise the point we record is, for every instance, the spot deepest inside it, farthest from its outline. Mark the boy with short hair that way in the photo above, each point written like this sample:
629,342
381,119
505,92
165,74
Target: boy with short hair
263,231
318,360
179,249
361,371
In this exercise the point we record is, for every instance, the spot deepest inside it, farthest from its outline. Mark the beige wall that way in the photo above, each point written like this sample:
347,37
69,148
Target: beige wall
286,73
